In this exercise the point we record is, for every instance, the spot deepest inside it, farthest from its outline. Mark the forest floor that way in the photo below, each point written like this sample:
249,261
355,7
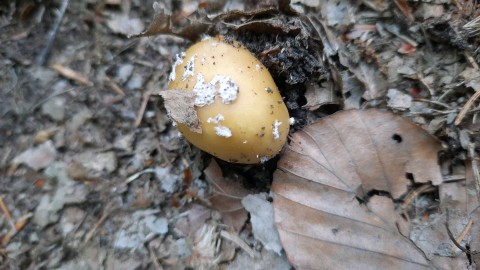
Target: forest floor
93,175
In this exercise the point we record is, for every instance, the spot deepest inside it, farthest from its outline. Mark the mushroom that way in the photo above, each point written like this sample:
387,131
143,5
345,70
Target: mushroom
242,114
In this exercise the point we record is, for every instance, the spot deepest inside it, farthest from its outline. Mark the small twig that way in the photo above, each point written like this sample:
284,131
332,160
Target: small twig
473,27
464,233
19,225
454,177
466,107
235,239
114,86
5,210
142,109
138,174
422,80
433,102
71,74
445,94
414,194
453,238
154,258
95,227
434,112
40,60
475,168
471,60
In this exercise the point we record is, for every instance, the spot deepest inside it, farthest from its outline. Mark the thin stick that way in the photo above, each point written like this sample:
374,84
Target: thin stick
92,232
414,194
19,225
154,258
42,56
464,233
138,174
475,169
466,107
453,238
433,102
5,210
114,86
142,109
471,60
235,239
71,74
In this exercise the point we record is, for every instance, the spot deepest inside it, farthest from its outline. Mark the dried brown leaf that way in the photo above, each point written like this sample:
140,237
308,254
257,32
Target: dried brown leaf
227,196
318,96
331,165
162,24
180,107
267,20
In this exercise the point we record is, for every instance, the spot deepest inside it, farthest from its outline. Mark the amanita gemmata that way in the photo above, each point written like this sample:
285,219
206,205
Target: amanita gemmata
242,115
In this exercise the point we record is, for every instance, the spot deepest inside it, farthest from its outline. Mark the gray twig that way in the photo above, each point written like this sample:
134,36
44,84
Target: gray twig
42,56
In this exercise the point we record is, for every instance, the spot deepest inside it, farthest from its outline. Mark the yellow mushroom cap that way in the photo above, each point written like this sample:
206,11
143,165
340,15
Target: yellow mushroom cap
242,115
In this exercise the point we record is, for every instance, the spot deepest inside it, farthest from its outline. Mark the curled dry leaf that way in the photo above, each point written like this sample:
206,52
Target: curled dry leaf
318,96
180,107
326,172
162,24
227,196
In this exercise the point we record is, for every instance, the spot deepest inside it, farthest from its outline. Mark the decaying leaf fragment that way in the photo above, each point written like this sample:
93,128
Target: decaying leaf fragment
180,107
227,196
162,24
321,187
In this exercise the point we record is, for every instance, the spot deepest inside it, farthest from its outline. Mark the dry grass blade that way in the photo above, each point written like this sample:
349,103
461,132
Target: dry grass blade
154,258
472,28
114,86
19,225
143,107
466,108
99,223
475,169
464,233
5,211
239,242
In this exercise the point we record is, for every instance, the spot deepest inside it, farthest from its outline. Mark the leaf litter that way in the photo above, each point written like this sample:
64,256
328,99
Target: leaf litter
227,196
343,178
324,55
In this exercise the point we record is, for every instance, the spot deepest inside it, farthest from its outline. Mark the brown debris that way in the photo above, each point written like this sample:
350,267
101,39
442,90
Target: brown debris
141,110
417,59
331,163
71,74
180,105
227,196
19,225
466,107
